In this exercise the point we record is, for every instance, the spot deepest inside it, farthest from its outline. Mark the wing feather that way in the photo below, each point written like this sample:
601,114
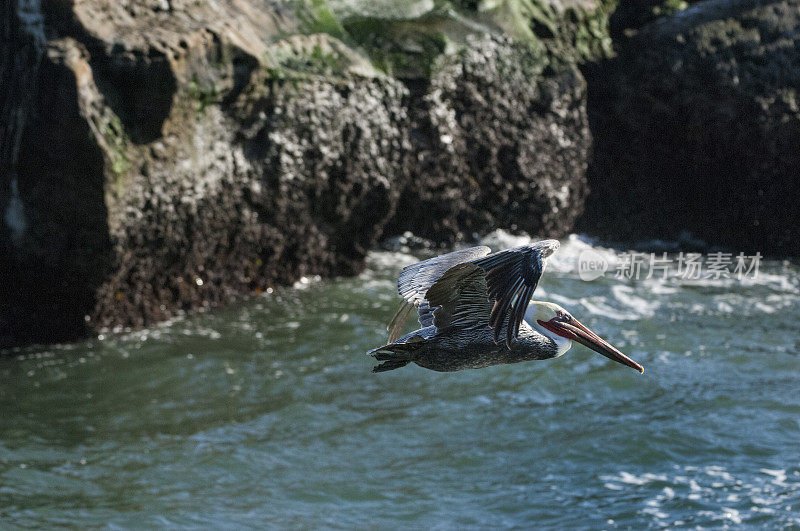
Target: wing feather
415,280
395,326
425,314
470,288
511,278
460,298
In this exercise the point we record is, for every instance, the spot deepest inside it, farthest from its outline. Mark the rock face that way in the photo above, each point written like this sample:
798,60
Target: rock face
498,145
179,154
697,127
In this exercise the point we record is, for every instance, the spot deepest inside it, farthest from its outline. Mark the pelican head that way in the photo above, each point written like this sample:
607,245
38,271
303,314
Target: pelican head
559,325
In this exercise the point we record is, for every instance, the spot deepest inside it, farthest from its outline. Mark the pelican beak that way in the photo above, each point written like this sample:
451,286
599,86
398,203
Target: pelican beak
586,337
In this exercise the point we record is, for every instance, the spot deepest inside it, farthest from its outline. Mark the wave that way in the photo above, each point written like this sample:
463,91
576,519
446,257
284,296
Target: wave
774,288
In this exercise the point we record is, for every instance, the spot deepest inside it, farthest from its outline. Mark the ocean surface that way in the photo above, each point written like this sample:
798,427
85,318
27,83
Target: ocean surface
266,414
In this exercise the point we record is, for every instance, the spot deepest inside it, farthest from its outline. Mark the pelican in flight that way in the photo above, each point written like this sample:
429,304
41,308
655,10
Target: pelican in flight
475,310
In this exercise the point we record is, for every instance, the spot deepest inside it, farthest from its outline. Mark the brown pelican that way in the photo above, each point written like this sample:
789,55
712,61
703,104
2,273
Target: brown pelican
474,312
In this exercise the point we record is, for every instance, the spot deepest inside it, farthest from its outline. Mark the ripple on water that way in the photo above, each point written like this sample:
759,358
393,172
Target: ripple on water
712,495
267,413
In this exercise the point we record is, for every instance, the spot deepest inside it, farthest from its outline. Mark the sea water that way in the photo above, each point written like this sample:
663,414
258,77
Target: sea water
266,414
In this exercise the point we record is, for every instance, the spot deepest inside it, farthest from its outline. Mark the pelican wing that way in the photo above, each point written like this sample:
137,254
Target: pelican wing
460,298
425,314
511,278
416,279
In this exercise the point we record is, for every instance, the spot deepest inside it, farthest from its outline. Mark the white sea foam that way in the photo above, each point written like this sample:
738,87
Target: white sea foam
389,260
501,239
305,282
622,299
599,305
640,306
778,475
743,499
565,263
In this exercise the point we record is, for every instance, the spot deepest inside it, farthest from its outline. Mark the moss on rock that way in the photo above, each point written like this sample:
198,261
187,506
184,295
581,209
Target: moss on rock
404,38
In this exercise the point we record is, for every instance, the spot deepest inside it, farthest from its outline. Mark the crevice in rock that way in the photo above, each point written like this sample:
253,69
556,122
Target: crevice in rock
51,277
138,84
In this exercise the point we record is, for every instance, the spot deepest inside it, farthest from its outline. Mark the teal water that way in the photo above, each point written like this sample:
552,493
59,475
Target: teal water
266,414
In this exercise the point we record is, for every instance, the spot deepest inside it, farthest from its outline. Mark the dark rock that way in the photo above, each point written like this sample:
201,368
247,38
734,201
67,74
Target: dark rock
631,15
156,177
53,233
697,127
178,155
498,144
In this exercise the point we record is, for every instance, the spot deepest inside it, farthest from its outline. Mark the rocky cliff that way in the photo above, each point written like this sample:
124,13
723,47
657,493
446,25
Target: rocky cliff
697,128
166,155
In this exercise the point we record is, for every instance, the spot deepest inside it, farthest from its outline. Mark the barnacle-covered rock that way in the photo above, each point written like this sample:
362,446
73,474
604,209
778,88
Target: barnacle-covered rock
168,155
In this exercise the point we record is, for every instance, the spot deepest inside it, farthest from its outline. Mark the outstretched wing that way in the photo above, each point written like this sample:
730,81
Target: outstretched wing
460,298
511,278
416,279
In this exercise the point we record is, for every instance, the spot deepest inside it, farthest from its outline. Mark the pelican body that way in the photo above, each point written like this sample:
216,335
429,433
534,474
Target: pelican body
475,309
455,349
